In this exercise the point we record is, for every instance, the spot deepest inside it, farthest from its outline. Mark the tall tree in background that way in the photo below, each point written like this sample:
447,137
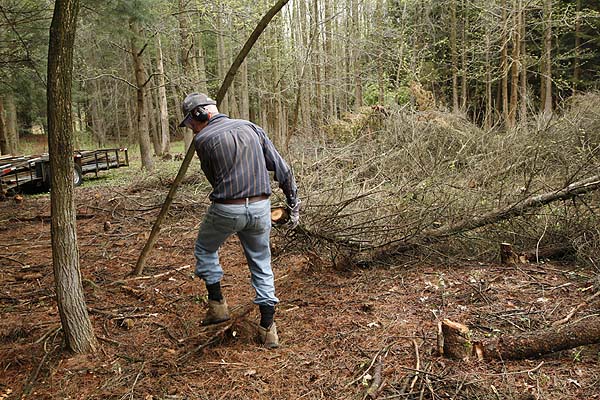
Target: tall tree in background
547,60
77,328
141,81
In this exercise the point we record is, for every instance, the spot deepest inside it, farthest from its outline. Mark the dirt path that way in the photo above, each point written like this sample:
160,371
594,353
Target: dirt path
334,325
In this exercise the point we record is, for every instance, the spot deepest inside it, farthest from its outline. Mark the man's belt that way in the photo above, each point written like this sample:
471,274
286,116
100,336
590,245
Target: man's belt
244,200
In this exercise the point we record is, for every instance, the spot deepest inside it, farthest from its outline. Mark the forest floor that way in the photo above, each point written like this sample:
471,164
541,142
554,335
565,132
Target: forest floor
337,328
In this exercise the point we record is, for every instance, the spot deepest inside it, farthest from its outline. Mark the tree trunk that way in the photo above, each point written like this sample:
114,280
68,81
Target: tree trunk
77,328
489,117
464,81
515,62
165,139
98,114
317,111
143,131
11,123
244,92
222,63
523,112
576,61
457,342
3,130
357,56
454,53
185,49
154,122
199,47
328,59
547,60
504,64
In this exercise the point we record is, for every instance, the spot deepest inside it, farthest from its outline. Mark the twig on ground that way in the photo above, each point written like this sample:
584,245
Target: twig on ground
137,278
417,367
369,367
33,377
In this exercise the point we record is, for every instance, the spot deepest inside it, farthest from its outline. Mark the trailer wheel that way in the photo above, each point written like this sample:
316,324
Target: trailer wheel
77,176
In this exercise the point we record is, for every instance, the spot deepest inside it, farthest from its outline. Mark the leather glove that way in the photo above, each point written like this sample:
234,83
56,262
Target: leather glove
294,207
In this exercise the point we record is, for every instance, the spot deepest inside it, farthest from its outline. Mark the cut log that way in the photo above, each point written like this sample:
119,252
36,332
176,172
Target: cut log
521,346
509,257
279,215
456,340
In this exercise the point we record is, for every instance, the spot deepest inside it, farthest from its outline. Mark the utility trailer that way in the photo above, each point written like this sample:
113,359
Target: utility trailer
17,172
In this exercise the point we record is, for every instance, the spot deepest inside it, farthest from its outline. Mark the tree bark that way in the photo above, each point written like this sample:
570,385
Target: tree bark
464,81
143,128
98,114
11,123
547,60
523,59
165,138
454,52
77,328
185,48
576,59
504,64
515,64
3,130
357,56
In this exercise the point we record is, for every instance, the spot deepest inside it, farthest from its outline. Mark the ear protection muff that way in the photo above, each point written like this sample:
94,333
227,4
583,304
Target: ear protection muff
200,114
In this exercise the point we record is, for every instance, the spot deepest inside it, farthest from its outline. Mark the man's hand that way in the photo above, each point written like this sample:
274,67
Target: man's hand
294,207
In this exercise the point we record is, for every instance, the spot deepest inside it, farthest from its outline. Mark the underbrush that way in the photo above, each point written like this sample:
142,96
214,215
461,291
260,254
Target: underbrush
409,173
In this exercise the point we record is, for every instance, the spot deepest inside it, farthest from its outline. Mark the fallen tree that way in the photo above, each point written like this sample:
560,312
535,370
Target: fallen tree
495,216
455,341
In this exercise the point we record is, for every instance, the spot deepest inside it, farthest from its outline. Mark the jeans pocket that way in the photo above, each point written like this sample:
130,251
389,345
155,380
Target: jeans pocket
222,221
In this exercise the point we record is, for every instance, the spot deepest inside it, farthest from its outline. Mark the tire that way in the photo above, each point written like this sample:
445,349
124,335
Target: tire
77,176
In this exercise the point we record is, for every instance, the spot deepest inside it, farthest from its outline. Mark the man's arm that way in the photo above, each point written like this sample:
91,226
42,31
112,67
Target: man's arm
282,171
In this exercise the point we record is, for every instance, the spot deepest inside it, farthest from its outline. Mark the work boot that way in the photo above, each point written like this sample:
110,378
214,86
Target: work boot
217,312
268,337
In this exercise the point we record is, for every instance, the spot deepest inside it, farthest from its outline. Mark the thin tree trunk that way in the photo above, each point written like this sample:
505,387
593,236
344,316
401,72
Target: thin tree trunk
576,59
357,56
77,328
464,78
328,59
11,123
547,59
489,117
453,50
98,114
143,131
317,111
523,113
221,62
3,131
515,62
504,64
153,122
244,92
131,137
165,140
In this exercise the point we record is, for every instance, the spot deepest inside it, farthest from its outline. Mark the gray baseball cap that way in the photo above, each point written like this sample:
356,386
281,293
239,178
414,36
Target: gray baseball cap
192,101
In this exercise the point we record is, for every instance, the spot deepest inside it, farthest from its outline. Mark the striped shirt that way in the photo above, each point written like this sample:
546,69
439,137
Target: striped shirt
236,157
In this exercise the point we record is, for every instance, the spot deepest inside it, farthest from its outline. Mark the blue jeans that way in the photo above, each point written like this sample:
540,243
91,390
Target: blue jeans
252,223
